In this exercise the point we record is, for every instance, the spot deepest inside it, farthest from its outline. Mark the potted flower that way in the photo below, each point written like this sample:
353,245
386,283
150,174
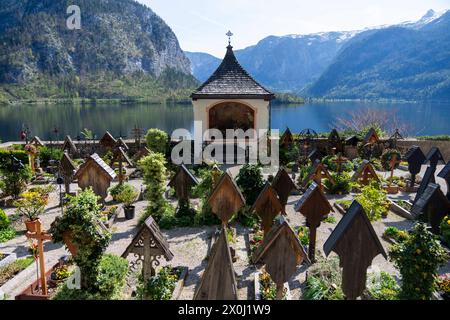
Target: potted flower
30,205
128,195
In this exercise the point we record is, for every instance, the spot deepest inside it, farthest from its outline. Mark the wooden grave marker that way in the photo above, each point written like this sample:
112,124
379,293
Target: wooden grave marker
286,139
120,157
315,155
434,156
428,178
314,206
355,242
267,206
281,252
69,146
434,205
415,158
32,152
393,162
365,174
121,143
339,161
37,142
335,141
41,236
371,137
97,174
283,185
148,245
445,174
182,182
218,281
317,173
107,142
226,198
67,169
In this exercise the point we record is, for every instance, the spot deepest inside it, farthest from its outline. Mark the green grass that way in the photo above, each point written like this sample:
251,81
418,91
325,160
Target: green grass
9,271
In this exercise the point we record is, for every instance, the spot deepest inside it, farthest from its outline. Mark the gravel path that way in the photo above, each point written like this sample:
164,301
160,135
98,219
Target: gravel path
191,245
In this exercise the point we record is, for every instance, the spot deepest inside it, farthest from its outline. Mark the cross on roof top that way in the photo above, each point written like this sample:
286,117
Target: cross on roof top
229,34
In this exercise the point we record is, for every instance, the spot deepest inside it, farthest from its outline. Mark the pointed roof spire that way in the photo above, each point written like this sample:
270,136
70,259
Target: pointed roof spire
231,81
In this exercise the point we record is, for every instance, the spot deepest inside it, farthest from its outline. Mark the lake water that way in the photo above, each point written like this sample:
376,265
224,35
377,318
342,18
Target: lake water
415,118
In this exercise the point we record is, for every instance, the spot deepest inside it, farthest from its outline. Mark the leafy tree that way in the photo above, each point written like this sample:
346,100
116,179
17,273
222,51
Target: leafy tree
153,167
157,140
418,259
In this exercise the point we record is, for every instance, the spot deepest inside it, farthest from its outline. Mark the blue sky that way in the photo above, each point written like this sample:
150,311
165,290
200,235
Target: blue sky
200,25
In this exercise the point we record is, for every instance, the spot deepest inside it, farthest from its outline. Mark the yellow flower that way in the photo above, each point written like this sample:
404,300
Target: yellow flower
418,251
448,221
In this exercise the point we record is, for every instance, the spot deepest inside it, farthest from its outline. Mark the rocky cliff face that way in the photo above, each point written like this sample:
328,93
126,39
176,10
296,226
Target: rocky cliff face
116,36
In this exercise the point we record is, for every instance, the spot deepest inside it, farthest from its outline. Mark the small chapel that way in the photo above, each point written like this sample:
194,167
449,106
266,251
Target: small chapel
231,98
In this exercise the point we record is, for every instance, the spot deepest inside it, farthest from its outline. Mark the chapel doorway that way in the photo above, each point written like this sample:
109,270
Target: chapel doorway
231,115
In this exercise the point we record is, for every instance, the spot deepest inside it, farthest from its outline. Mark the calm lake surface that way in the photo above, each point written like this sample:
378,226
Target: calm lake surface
416,118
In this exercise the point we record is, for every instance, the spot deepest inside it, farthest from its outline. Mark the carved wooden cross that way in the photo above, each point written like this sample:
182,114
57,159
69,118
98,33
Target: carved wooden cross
40,236
392,163
32,151
339,161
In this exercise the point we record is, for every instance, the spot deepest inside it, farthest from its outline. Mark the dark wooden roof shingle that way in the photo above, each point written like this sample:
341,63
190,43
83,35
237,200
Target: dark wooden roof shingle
230,80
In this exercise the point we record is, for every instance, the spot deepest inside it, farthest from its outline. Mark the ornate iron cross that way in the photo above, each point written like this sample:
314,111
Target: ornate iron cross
229,34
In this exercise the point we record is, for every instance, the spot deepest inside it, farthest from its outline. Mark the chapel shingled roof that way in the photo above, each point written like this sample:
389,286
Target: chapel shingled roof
230,80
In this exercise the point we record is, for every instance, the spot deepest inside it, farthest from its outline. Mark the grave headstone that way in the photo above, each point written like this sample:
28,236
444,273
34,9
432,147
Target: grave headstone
415,158
148,245
286,139
365,174
316,174
371,137
428,178
107,142
218,281
226,198
121,157
97,174
182,182
315,155
355,242
335,141
267,206
445,174
69,146
314,206
433,204
67,169
281,252
283,185
340,160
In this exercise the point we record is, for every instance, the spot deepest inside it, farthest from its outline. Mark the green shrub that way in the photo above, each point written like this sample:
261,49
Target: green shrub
46,154
250,181
82,220
161,286
109,281
111,274
157,140
418,259
395,234
153,167
5,158
7,234
15,182
4,221
374,201
127,195
329,161
342,183
246,217
382,286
